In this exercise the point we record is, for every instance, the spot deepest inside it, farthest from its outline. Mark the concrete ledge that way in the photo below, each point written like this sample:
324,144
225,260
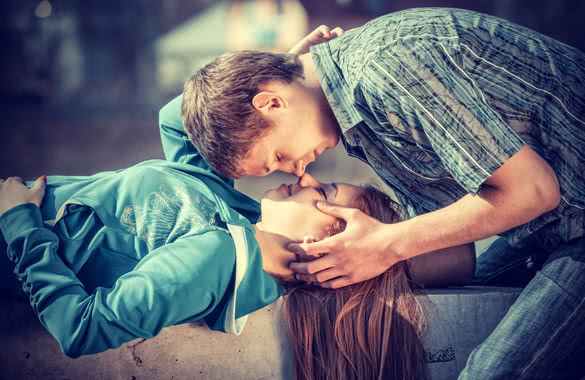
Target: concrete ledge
459,319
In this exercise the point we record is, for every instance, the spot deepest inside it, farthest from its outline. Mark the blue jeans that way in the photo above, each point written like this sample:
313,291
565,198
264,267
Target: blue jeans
543,334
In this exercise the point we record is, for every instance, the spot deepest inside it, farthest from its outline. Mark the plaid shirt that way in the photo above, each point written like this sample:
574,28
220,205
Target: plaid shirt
436,100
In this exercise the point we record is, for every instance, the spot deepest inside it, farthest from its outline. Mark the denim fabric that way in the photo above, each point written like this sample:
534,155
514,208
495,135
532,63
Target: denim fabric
542,335
504,265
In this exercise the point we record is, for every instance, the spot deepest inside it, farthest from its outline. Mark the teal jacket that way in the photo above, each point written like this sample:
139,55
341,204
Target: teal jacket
120,255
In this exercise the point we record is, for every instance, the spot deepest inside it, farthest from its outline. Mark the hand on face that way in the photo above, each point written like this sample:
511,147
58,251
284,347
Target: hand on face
356,254
290,209
14,193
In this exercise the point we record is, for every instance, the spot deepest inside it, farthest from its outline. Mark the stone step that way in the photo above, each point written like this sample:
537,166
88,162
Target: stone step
459,318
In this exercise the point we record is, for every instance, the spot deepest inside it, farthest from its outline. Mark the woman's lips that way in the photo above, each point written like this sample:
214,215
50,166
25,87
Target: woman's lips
286,188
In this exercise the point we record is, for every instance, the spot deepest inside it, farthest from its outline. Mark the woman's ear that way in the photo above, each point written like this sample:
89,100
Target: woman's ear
265,101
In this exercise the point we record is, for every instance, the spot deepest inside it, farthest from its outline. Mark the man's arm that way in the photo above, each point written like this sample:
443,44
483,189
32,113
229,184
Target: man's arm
522,189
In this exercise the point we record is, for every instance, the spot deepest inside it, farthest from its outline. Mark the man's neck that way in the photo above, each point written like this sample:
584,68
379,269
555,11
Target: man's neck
311,80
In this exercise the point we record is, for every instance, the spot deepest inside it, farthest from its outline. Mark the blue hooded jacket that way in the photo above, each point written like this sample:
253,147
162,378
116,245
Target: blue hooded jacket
120,255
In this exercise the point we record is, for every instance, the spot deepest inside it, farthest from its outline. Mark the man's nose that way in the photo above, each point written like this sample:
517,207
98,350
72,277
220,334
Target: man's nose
306,180
298,168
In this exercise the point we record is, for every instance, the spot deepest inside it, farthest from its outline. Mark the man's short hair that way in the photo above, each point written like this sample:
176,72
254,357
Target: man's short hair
217,110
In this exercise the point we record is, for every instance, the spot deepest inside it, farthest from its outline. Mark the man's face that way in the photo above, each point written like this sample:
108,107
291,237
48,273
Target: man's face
292,143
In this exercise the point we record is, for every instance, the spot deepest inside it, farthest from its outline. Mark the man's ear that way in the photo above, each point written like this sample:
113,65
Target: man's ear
267,100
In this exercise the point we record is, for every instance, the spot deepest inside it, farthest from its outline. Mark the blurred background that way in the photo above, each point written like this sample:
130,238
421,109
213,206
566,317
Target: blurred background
82,81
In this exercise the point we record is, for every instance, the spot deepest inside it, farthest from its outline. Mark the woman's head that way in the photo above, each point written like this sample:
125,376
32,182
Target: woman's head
290,209
368,330
289,215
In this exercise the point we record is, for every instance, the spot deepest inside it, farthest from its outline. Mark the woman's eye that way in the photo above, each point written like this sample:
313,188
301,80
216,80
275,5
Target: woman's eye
322,191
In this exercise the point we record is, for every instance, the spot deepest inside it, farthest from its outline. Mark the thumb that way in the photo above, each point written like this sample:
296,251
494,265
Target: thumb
344,213
312,248
39,190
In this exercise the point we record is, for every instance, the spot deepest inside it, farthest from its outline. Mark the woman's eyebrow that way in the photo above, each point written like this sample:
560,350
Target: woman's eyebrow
334,185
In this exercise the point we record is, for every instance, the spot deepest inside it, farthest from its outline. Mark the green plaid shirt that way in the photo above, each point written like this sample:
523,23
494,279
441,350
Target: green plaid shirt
436,100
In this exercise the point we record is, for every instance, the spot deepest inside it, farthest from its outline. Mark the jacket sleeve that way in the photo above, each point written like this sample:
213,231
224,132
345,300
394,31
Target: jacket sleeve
177,283
176,144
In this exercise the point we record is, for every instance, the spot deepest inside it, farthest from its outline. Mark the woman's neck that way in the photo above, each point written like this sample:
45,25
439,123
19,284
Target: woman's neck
275,257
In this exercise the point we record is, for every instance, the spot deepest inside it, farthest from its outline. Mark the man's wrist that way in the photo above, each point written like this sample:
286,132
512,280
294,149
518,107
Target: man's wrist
400,243
389,241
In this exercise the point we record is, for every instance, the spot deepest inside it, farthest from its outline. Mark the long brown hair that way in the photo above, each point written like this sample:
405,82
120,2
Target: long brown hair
369,330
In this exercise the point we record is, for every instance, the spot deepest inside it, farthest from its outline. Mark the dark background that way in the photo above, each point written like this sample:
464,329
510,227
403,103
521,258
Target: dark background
80,87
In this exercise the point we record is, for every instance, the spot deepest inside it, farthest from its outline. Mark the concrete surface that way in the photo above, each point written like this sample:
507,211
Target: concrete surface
459,319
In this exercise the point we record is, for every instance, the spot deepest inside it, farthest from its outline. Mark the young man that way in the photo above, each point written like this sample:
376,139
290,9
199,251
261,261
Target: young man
477,124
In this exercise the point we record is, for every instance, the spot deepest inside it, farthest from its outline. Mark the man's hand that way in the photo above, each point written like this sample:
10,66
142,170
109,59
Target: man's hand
358,253
14,193
317,36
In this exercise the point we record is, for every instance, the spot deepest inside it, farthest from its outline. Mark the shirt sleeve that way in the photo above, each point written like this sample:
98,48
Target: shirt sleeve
177,283
425,86
176,144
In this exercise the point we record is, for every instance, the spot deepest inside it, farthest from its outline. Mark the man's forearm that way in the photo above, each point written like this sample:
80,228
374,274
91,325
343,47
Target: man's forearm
469,219
524,188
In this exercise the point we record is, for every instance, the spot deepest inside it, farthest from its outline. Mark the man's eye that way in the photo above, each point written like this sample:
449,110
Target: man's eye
278,157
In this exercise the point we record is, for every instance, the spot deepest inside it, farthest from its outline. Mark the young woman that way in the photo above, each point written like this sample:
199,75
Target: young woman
120,255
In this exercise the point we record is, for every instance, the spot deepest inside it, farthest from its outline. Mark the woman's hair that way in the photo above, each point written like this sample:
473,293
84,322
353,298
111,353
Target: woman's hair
368,330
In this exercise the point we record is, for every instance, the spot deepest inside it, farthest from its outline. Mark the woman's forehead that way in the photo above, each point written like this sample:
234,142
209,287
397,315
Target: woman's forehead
347,194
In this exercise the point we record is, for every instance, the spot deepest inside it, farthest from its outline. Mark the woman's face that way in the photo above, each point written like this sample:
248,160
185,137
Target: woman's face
290,209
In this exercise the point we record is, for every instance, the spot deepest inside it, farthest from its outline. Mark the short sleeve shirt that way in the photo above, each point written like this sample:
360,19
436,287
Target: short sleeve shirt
437,99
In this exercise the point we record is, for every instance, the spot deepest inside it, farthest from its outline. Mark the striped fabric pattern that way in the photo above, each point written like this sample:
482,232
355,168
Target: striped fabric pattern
437,99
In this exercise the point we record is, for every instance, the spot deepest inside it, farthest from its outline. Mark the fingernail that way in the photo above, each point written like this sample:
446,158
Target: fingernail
321,204
44,178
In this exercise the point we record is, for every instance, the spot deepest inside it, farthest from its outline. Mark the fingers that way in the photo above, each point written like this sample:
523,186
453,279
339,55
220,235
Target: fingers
40,184
344,213
323,30
336,283
336,32
39,189
312,249
14,179
312,267
320,277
